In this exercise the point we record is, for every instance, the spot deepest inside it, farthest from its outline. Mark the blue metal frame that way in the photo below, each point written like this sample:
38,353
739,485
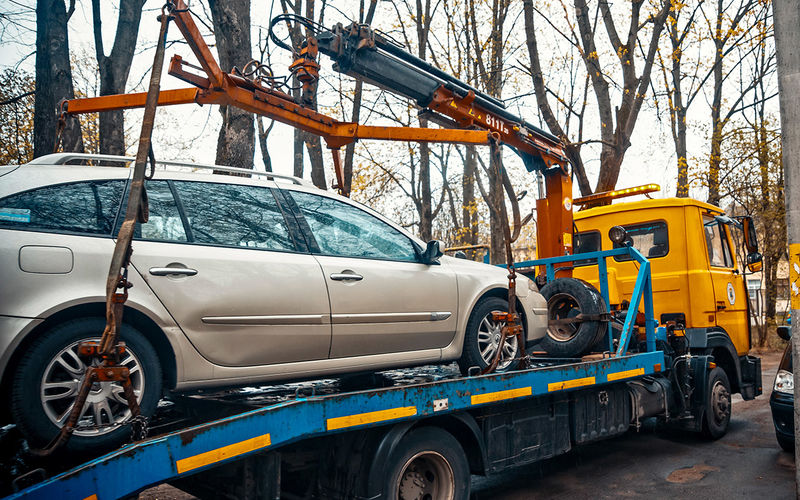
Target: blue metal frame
154,461
643,290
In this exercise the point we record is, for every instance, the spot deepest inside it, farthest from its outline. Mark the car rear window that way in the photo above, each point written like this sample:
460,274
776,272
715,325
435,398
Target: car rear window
234,215
80,207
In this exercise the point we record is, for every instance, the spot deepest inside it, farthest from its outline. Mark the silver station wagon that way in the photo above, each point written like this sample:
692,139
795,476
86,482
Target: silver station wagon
237,280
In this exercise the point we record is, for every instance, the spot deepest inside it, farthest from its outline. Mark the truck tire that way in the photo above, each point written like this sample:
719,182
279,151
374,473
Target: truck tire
717,414
49,374
482,338
428,462
566,298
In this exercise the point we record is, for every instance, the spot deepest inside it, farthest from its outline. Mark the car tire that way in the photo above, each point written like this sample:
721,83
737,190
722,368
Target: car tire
49,373
787,444
482,335
568,297
717,414
428,462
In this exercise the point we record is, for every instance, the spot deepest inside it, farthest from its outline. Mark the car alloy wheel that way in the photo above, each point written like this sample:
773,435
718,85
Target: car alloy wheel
105,406
489,335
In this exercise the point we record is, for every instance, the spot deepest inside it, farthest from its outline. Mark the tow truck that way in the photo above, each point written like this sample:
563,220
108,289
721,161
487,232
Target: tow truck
420,433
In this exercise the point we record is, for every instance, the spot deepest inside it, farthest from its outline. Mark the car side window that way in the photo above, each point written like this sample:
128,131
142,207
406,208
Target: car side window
233,215
164,222
719,254
344,230
81,207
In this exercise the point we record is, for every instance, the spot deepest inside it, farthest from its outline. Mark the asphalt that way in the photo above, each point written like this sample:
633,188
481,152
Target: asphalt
746,463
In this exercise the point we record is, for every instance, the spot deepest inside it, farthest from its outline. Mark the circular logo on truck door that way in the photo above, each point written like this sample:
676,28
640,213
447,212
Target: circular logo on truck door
731,294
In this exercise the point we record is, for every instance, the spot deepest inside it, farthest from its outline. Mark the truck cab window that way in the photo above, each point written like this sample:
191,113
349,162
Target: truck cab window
651,239
719,253
585,242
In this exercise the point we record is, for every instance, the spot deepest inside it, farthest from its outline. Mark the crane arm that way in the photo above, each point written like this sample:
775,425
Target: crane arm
468,115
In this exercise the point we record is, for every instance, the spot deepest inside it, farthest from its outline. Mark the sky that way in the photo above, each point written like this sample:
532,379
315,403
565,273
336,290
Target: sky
189,132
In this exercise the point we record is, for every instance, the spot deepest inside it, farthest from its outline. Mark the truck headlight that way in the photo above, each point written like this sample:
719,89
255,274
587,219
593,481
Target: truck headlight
784,382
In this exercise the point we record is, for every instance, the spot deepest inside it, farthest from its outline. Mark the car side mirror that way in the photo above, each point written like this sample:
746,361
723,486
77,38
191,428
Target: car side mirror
432,253
460,255
754,262
750,236
785,332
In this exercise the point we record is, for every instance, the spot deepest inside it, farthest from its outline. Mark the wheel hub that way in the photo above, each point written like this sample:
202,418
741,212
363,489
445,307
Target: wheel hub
426,476
105,407
720,401
489,334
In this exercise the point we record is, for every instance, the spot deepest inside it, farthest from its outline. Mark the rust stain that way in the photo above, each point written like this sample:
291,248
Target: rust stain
188,436
691,474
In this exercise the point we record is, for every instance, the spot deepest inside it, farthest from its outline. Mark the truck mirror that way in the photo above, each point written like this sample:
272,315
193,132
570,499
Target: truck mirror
785,332
754,262
750,236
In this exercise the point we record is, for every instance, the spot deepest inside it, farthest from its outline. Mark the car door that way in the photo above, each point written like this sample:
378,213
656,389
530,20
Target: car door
227,267
728,283
382,299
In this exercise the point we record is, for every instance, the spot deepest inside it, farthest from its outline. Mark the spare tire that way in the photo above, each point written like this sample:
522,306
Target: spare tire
566,298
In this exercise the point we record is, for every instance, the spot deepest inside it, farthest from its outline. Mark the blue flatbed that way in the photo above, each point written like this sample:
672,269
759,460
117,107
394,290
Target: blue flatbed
137,466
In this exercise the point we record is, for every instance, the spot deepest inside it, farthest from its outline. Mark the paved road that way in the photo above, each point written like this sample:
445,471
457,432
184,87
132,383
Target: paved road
746,463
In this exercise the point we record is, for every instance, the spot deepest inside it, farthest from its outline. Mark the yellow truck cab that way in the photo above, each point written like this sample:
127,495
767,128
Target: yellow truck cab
697,280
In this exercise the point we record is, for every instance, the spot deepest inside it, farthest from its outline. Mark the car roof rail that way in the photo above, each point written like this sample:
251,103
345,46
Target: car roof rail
65,158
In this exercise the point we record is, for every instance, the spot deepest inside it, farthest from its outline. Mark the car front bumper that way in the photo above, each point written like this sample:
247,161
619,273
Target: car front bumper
782,406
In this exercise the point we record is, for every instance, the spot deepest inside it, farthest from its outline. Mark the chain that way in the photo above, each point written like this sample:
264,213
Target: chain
139,427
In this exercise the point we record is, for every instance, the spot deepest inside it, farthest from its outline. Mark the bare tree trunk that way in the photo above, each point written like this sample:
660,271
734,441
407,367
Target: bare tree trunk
715,157
350,149
236,142
423,20
496,195
263,134
572,149
114,69
490,70
469,232
426,211
53,78
313,142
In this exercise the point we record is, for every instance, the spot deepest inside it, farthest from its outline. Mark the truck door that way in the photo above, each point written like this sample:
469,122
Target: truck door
729,293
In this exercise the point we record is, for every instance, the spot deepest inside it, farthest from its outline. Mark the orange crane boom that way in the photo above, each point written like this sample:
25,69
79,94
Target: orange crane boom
470,116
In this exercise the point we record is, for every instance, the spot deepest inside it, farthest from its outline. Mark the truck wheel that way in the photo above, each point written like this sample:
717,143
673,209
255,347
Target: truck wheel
718,405
566,298
786,443
482,338
427,463
49,375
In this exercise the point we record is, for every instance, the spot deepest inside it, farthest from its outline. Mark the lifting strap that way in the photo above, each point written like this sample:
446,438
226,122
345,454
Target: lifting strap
109,348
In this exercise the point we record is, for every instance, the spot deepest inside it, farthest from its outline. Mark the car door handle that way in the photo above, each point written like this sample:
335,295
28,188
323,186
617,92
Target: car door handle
166,271
346,277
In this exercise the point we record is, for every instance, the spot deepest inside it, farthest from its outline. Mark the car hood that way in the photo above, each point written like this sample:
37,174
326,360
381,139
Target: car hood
492,273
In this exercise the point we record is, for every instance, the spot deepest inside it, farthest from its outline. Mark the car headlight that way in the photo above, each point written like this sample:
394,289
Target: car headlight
784,382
